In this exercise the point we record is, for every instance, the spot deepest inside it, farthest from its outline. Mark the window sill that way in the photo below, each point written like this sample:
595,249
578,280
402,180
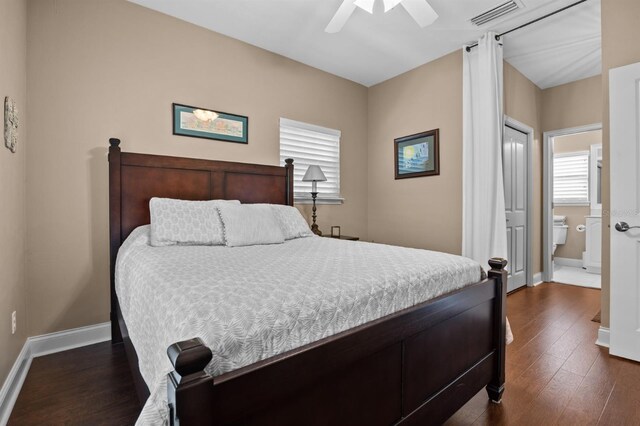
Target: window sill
319,200
571,204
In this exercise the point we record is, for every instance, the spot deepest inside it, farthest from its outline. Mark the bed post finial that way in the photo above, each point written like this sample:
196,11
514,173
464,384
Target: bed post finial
114,143
189,387
497,263
498,273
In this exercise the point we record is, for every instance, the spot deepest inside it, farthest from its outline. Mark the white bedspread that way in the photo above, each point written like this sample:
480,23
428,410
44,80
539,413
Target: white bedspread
251,303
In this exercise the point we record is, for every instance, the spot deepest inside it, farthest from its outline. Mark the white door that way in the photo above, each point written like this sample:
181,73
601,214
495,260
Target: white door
625,211
515,161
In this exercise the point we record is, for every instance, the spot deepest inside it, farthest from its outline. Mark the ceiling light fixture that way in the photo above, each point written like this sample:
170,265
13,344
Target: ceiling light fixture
420,10
390,4
365,5
368,4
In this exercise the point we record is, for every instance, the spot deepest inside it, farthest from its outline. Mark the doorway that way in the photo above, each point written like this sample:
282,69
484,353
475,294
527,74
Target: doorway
572,222
518,196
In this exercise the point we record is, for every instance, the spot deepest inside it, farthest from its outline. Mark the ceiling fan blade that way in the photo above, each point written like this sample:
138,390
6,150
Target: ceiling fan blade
390,4
342,15
421,11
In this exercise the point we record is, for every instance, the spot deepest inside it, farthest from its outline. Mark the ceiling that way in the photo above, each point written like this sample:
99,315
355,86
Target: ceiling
561,49
374,48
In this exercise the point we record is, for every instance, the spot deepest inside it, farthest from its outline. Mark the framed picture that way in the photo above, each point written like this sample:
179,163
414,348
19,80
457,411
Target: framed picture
209,124
417,155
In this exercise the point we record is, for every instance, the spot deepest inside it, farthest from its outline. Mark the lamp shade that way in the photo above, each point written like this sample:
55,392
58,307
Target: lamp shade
314,174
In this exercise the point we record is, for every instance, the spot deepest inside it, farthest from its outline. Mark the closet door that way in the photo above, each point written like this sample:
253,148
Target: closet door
515,164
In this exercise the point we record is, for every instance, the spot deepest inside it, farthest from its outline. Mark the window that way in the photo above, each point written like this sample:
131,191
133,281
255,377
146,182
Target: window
308,144
571,178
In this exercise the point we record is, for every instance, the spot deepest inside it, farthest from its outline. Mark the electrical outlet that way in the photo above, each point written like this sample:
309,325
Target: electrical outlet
13,322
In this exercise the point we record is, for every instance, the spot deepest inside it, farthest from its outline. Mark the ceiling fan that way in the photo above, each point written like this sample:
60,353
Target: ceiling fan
420,10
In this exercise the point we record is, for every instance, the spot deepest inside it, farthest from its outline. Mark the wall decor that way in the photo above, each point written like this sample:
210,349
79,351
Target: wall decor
417,155
10,124
209,124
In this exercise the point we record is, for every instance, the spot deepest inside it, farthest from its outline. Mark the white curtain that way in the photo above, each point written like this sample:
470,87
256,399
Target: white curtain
484,230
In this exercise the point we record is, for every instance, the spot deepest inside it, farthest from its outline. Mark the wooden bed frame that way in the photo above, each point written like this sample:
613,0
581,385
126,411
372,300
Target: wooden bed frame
415,367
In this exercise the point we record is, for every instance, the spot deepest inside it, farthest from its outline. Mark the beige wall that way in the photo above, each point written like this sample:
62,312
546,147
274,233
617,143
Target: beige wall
13,83
100,69
569,105
421,212
427,212
90,80
577,142
522,102
572,105
620,35
576,241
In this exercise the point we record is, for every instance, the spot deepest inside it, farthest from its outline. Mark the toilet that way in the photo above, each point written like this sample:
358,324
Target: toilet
559,231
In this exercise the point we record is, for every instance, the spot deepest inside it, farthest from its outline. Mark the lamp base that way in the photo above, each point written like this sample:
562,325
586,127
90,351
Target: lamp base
314,226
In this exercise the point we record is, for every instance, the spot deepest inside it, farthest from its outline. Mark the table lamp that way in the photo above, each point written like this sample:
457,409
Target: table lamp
314,175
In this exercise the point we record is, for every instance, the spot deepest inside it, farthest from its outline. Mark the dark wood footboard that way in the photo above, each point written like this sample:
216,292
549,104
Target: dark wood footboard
415,367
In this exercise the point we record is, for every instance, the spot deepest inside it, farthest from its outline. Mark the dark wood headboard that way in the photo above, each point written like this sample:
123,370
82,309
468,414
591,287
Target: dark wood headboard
135,178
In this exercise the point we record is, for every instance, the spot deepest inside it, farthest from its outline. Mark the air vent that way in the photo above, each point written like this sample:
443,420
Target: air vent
495,13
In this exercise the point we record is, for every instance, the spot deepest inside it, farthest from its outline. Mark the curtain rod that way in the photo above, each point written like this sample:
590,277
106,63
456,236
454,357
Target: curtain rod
530,22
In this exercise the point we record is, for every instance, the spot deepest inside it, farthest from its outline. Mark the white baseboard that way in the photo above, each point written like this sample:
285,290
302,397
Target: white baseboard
537,279
603,337
69,339
13,383
594,270
565,261
43,345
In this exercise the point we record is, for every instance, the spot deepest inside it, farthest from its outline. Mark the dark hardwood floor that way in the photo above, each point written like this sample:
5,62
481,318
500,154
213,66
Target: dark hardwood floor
555,374
85,386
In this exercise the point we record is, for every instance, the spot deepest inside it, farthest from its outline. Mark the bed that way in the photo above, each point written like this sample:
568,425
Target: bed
412,362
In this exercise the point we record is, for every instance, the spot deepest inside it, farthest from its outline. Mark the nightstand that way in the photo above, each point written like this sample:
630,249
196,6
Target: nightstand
343,237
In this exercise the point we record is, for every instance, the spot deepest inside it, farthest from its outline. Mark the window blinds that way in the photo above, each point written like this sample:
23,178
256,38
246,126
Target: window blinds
571,178
308,144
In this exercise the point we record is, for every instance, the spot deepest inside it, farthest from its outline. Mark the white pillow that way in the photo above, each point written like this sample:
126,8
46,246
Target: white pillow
181,222
250,224
291,222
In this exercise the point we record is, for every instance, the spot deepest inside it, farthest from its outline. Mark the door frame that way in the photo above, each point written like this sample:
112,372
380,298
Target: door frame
521,127
547,192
